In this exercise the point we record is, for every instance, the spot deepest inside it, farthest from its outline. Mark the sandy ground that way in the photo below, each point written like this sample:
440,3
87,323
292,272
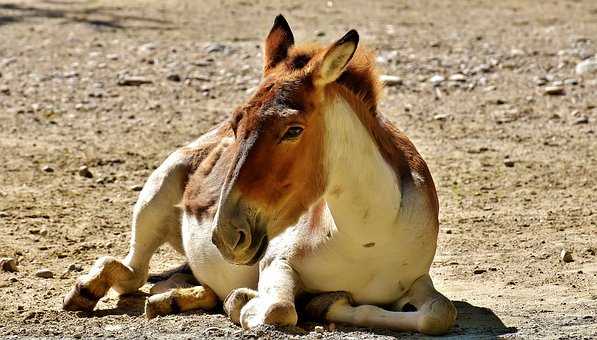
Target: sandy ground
515,168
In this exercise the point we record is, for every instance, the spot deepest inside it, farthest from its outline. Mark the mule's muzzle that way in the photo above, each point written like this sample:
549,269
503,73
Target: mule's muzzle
238,242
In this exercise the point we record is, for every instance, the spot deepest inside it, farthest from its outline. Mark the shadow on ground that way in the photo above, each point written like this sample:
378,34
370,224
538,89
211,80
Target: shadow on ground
65,12
473,322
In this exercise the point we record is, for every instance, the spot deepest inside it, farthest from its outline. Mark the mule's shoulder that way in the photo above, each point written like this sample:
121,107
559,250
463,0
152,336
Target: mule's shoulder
199,149
208,165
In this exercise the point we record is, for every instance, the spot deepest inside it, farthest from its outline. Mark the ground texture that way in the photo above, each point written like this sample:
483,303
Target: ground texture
515,167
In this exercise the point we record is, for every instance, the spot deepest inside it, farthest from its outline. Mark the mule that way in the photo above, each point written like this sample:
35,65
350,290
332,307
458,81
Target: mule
306,190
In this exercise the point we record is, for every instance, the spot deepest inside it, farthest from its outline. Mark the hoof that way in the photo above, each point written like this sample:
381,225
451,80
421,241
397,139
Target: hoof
318,307
160,305
281,314
260,311
236,300
79,299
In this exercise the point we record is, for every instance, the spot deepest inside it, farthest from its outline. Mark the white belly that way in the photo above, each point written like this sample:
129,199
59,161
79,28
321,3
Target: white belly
209,267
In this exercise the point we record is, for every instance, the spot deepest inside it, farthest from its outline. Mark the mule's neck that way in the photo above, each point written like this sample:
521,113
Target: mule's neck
363,191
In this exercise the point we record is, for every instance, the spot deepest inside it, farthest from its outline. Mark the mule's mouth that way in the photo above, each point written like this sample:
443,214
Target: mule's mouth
257,254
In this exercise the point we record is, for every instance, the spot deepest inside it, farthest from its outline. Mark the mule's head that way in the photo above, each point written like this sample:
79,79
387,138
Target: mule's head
277,171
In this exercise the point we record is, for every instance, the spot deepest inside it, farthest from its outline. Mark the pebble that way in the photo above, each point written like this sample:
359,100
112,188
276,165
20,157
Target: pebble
146,48
441,117
215,47
587,66
47,168
390,80
458,77
319,329
8,264
174,77
136,187
566,256
85,172
44,274
437,79
581,120
554,90
75,267
386,57
5,90
133,81
479,271
509,163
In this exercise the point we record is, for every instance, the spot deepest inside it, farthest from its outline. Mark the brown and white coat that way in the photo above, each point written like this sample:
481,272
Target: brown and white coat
307,189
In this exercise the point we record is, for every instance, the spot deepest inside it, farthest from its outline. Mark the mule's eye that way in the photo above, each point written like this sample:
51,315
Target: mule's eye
292,133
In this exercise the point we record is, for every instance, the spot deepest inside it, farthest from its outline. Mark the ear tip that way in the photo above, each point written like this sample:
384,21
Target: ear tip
280,21
353,36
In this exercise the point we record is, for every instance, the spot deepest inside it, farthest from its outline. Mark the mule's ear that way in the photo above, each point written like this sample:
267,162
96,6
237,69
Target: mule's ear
336,58
277,43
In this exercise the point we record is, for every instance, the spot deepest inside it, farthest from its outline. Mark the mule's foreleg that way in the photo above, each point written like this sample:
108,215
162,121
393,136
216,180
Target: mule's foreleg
272,303
434,314
155,217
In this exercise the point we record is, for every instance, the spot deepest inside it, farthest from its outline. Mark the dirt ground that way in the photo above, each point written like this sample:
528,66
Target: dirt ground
515,168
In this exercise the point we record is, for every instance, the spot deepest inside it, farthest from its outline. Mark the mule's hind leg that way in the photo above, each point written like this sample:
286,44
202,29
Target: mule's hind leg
155,217
434,314
180,300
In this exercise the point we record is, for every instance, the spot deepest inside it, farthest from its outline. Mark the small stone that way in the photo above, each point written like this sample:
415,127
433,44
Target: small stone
509,163
174,77
133,81
458,77
479,271
437,79
85,172
390,80
75,267
581,120
540,81
8,264
44,274
571,81
5,90
136,187
448,231
146,48
319,329
554,90
70,74
441,117
47,168
215,47
587,66
566,256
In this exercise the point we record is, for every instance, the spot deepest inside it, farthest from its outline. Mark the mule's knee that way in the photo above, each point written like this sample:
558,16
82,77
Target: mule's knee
437,316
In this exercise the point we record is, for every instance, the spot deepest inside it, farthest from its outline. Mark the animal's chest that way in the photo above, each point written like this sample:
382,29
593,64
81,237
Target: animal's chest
376,268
